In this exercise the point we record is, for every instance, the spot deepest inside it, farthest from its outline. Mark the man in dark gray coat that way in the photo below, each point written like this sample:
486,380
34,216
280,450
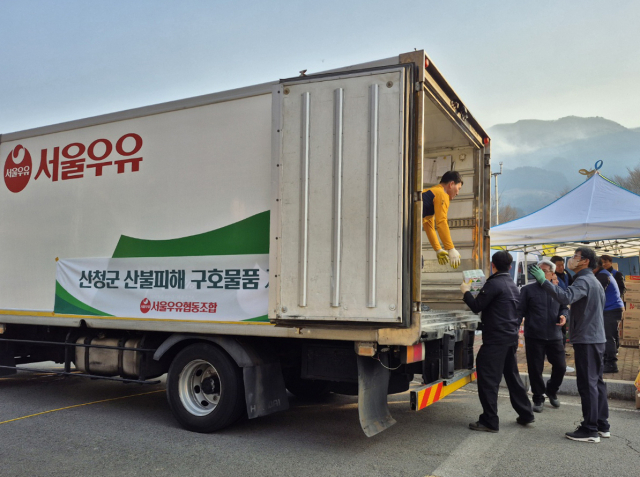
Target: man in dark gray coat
586,328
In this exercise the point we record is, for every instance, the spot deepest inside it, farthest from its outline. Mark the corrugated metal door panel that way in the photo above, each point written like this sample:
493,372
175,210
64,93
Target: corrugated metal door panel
340,199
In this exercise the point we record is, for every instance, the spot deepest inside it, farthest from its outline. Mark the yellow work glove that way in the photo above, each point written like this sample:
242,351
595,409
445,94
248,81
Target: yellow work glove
465,287
454,258
443,257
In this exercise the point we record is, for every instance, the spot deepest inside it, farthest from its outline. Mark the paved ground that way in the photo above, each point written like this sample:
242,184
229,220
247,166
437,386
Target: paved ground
51,426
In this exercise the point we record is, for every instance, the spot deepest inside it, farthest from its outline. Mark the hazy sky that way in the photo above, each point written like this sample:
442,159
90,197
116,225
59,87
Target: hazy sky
508,60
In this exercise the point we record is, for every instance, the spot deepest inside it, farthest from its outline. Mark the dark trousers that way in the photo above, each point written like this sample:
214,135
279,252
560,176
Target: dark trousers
536,351
611,320
592,389
493,362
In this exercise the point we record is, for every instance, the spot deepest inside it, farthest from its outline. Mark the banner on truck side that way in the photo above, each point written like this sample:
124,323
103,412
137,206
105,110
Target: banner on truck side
206,288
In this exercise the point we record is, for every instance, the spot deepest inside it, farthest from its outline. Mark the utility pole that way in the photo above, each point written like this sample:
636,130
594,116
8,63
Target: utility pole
495,175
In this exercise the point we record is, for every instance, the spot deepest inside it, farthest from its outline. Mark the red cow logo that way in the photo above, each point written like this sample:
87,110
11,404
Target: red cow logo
17,173
145,305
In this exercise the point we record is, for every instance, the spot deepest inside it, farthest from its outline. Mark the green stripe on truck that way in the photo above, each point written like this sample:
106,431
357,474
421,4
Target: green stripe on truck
67,304
249,236
258,318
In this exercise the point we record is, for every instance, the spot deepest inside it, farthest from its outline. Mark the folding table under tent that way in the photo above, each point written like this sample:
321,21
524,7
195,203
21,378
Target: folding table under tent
598,213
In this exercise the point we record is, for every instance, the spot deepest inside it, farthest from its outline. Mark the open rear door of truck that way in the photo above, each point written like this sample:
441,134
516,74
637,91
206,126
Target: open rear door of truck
340,207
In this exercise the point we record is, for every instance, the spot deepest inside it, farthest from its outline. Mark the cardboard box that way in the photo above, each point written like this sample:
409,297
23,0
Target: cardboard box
631,330
632,305
632,311
632,278
632,295
630,339
632,285
629,324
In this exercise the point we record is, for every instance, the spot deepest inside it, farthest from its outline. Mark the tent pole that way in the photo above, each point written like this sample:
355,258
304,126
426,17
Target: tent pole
525,268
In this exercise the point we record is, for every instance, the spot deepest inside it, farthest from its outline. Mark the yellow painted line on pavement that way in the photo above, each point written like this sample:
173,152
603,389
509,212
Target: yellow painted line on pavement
80,405
34,375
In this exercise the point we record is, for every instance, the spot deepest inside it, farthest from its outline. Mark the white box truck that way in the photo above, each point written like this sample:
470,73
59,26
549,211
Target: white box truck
250,242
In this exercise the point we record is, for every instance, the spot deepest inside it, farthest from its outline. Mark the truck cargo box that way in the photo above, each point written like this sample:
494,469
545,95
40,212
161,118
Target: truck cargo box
283,203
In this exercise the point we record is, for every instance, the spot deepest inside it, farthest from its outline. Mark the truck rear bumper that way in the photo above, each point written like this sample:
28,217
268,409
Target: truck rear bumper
425,395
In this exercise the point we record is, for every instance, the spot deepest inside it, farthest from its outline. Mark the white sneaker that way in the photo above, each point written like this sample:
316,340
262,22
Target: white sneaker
604,433
570,369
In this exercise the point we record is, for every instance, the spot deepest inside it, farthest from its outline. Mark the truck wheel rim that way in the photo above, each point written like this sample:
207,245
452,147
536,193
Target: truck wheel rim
200,388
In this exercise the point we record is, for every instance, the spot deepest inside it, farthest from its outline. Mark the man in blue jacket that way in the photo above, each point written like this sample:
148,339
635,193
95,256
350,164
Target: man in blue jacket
586,297
607,264
613,308
543,317
498,301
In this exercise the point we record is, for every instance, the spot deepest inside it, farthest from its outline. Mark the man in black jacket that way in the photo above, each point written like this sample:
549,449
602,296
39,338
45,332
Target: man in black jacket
498,302
543,317
564,280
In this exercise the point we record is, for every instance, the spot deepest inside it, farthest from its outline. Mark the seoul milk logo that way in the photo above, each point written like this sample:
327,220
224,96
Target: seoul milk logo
17,169
76,160
145,305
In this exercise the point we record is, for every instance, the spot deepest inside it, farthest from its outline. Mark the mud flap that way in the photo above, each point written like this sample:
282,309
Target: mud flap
373,385
265,392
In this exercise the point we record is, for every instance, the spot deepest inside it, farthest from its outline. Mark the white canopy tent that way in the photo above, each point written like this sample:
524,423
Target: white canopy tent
598,212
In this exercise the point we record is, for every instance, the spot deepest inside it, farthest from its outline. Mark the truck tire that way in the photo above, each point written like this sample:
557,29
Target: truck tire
205,388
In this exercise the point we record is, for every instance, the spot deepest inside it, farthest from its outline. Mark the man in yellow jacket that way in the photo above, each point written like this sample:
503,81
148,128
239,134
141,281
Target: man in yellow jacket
435,206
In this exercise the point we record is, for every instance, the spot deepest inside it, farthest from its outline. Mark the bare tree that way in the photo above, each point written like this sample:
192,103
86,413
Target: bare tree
632,181
507,213
564,191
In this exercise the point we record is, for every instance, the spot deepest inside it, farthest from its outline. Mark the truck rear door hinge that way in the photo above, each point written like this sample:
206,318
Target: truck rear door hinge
418,86
417,196
487,160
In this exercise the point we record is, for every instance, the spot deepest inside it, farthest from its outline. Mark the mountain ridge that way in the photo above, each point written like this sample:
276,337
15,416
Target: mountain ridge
542,159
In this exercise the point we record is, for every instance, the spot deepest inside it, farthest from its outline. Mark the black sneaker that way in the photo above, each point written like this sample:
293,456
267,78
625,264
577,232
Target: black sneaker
610,369
538,407
553,399
524,422
477,426
583,435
